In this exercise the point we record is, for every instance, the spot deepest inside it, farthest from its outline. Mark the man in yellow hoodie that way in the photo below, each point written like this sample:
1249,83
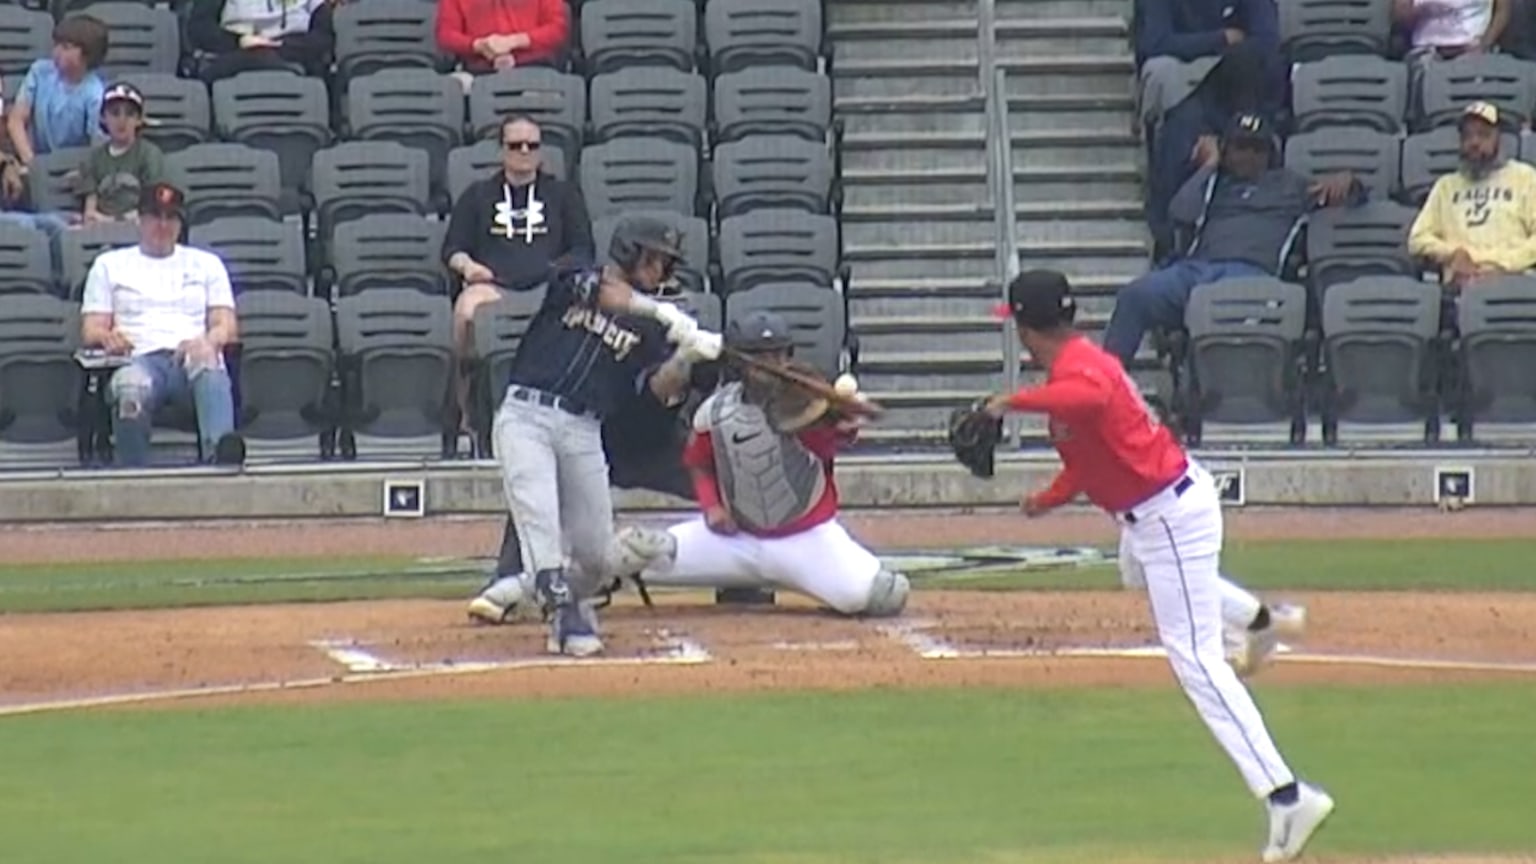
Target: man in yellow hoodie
1480,219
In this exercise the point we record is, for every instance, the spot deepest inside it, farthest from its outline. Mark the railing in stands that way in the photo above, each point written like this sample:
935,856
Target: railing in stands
1000,188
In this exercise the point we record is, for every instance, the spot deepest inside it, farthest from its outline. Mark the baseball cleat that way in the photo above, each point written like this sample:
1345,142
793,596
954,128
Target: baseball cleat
1288,620
1251,650
573,631
1292,825
498,602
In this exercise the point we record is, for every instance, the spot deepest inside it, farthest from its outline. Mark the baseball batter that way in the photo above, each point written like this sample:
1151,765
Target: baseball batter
598,339
1115,452
768,497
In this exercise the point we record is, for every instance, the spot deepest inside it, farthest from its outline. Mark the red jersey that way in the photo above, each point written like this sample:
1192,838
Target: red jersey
822,441
461,22
1113,449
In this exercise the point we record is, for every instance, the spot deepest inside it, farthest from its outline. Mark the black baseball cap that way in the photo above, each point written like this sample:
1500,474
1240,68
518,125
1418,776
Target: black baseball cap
759,330
163,200
1248,127
1039,300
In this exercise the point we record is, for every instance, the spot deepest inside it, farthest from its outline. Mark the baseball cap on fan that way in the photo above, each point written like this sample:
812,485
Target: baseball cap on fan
1484,111
162,200
123,92
1039,300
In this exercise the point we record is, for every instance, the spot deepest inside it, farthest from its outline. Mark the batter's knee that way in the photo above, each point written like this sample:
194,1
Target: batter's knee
888,594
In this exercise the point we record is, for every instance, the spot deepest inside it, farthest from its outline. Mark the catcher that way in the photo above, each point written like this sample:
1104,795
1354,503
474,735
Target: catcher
760,456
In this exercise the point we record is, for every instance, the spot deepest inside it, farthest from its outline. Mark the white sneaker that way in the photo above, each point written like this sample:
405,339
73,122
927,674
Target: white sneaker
1292,825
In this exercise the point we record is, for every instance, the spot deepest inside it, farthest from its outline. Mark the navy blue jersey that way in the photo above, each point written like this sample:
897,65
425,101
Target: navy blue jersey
573,349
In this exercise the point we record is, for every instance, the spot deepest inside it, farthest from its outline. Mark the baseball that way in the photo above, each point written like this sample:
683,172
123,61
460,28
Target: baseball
845,386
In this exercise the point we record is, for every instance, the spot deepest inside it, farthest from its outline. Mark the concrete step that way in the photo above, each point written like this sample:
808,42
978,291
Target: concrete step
1081,220
878,149
958,38
976,260
1046,112
947,332
841,12
1067,74
1042,184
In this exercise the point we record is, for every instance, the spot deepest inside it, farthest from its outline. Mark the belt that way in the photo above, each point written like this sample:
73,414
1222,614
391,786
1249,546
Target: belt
1179,488
534,396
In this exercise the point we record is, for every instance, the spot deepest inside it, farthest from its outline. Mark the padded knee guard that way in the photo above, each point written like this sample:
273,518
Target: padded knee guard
888,594
636,548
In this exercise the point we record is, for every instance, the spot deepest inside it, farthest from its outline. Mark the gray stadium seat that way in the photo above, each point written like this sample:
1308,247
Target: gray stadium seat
481,159
772,171
1528,146
396,347
556,100
221,179
777,245
817,318
25,35
39,381
743,33
26,261
627,33
53,182
287,356
260,254
1380,351
279,111
691,271
1245,348
385,34
1497,320
1344,243
640,174
1375,158
707,309
1450,85
79,247
772,100
1427,155
1313,29
498,329
353,179
389,250
1350,90
142,38
653,102
180,112
415,107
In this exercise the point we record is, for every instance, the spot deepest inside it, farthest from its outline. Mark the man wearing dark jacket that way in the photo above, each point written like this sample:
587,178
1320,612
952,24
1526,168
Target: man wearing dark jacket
506,230
1174,35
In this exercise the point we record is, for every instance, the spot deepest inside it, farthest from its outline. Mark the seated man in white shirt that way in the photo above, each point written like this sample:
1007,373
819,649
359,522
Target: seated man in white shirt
171,309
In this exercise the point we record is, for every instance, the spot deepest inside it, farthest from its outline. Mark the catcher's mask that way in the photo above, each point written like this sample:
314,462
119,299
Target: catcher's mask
637,235
1039,300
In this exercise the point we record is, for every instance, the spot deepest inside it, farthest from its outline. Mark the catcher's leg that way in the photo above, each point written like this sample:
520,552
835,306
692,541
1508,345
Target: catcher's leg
689,555
828,564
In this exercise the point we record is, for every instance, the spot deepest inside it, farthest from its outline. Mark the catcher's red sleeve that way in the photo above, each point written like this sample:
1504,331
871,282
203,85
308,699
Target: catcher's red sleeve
699,458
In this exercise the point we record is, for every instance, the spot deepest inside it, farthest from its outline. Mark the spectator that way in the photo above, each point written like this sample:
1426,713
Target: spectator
1241,218
507,229
170,308
248,35
1480,219
487,35
1172,34
1443,29
120,168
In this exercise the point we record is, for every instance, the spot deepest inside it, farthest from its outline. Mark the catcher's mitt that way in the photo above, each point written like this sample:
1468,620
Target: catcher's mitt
973,435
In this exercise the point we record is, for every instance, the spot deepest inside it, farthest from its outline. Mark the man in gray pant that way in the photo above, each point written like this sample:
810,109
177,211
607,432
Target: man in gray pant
599,339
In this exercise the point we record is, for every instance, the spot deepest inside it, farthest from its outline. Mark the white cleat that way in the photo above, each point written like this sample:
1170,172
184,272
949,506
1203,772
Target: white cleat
573,631
1288,620
1291,826
499,602
1251,650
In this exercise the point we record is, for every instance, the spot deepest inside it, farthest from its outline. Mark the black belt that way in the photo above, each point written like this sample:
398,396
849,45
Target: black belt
534,396
1179,488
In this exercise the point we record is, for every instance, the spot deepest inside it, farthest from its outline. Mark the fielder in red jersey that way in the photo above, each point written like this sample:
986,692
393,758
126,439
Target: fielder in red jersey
1116,453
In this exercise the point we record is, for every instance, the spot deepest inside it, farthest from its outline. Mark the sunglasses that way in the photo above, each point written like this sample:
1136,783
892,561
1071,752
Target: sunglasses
525,146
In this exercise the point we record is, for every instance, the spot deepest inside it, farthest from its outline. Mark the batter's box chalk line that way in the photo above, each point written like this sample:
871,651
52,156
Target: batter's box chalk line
671,649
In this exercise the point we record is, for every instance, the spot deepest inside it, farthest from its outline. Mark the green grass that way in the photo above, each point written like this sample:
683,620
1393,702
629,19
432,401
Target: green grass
1417,565
943,778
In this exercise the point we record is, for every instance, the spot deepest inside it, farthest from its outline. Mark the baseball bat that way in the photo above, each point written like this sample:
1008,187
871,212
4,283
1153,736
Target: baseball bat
856,405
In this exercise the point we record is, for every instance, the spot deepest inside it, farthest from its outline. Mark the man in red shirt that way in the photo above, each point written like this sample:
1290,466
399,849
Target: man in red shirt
769,500
488,35
1115,453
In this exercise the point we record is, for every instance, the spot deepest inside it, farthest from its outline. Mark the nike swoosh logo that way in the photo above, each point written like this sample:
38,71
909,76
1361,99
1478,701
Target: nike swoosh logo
743,437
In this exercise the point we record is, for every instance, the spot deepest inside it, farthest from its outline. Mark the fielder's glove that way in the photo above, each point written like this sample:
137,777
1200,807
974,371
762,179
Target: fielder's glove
974,435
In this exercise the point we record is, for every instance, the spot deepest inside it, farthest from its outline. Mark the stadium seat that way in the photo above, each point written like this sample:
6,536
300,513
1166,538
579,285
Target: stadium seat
1313,29
1246,355
1497,321
498,329
482,159
1350,90
396,355
651,102
777,245
279,111
1344,243
415,107
692,270
556,100
389,250
79,247
353,179
1427,155
260,254
619,34
53,180
1373,157
640,174
40,381
221,179
774,171
181,109
817,318
142,38
1501,79
287,357
26,262
707,309
25,35
1381,355
744,33
772,100
385,34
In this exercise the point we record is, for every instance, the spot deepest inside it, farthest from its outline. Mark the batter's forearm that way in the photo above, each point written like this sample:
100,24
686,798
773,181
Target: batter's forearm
671,380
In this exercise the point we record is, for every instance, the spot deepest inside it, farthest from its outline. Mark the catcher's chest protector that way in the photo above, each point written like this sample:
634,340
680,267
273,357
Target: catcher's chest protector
767,479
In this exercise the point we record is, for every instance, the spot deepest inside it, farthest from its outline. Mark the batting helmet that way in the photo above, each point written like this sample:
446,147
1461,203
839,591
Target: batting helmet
637,235
759,330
